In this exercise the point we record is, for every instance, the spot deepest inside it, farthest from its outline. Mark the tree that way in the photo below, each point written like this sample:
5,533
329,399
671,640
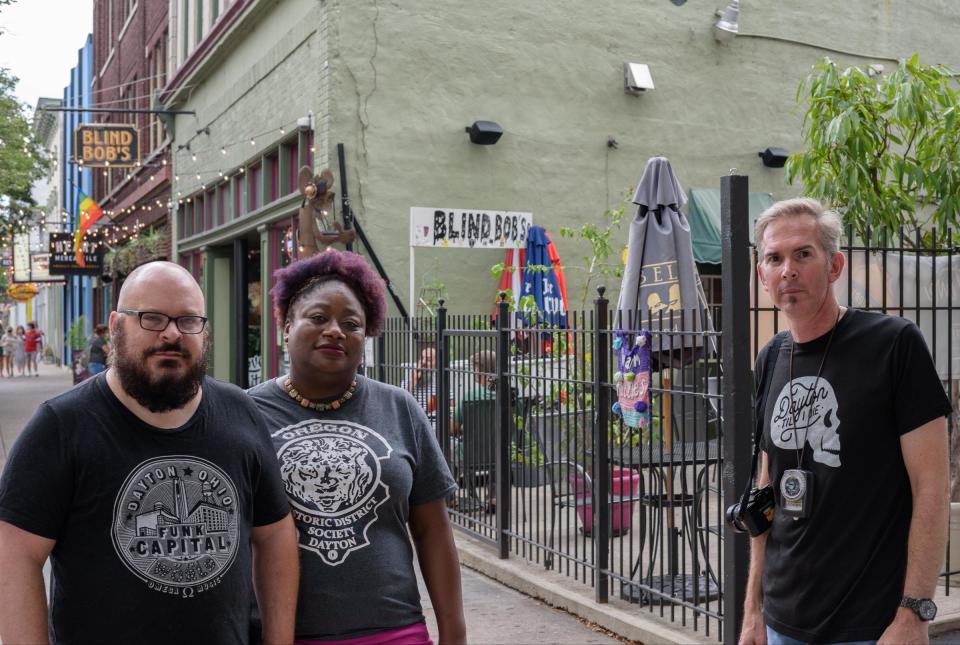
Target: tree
22,159
883,147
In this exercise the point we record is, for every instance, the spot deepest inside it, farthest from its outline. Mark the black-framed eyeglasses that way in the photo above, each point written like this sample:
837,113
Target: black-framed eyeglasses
155,321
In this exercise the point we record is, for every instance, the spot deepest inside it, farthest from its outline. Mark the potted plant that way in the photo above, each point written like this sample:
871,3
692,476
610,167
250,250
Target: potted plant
77,337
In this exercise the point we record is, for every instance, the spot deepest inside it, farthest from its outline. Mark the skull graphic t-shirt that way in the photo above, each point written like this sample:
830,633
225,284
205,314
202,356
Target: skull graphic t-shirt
351,476
838,574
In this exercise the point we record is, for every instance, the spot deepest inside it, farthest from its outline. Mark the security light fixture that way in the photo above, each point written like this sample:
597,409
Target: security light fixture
636,78
484,133
774,157
726,28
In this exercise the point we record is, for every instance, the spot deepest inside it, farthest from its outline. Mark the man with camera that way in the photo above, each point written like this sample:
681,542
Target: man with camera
849,535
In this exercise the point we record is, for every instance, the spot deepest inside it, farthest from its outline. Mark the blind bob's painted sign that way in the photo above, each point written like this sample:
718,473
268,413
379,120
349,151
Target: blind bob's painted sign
63,261
468,229
106,144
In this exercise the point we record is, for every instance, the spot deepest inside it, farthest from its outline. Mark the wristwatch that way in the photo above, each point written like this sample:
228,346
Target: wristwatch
925,608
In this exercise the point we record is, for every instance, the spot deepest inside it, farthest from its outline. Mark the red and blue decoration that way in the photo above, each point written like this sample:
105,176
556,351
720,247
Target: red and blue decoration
632,379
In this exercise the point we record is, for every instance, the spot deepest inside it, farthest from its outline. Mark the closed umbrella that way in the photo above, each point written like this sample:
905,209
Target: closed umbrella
660,279
661,292
543,279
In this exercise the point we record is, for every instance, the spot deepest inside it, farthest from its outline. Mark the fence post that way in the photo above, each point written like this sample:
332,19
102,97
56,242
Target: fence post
503,428
381,357
442,380
601,467
737,426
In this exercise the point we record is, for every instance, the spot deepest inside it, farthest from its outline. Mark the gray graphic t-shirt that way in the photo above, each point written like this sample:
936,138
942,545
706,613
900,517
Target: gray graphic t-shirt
352,475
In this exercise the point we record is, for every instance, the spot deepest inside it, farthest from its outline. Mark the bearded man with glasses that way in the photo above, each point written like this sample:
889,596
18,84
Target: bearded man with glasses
151,487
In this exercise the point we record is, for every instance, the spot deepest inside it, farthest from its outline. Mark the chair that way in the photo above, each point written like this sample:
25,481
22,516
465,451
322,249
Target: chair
479,446
479,417
571,486
708,483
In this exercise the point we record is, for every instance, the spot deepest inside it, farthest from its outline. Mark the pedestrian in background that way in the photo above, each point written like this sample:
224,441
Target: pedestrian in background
422,383
9,344
32,343
98,351
858,466
361,466
19,355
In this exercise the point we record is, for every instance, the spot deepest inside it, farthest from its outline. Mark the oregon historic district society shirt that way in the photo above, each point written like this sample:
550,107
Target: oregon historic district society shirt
352,475
152,526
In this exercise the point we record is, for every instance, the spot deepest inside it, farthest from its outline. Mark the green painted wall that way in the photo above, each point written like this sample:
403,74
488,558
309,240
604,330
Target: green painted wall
405,82
397,83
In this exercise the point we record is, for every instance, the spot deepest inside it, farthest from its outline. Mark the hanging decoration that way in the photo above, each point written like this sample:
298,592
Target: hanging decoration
633,379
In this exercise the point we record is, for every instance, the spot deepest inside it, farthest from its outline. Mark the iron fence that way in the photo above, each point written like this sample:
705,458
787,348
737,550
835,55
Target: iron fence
549,474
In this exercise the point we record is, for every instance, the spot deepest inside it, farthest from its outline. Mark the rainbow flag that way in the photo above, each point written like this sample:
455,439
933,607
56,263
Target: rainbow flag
89,212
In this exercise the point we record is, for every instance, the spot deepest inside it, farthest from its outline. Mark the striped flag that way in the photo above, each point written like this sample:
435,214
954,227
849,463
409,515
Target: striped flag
88,213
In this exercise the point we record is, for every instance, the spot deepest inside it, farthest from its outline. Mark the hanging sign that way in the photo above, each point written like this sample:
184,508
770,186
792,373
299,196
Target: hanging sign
22,292
100,145
63,260
468,229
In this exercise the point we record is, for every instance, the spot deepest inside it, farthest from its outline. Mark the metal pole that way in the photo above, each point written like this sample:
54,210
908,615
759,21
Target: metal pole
344,199
503,429
601,467
241,314
737,426
442,380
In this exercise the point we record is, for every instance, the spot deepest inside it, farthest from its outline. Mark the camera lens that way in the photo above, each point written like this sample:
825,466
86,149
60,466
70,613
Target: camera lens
733,519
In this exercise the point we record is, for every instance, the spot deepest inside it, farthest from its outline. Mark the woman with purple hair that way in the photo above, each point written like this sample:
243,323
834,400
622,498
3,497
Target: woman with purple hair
361,467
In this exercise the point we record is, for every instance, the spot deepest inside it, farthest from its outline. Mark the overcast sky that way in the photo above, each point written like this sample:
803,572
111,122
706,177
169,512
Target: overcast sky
40,42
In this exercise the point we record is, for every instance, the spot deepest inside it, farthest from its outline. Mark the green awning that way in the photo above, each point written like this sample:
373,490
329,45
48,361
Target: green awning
703,213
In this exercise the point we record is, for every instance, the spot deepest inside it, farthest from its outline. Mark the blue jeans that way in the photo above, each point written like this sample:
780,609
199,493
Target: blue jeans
95,368
776,638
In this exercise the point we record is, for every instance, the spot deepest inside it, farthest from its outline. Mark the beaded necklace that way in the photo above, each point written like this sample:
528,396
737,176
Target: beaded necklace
307,403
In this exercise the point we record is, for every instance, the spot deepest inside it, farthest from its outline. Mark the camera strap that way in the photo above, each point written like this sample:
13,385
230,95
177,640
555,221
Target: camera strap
769,365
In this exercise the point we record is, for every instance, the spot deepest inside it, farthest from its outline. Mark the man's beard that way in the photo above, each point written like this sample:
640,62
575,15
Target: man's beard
167,391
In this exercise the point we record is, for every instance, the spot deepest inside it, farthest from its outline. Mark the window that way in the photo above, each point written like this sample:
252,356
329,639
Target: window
209,202
185,23
238,195
157,69
253,187
273,175
293,166
198,21
222,203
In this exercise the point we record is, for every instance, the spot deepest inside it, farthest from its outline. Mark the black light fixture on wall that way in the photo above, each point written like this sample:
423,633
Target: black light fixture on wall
774,157
484,133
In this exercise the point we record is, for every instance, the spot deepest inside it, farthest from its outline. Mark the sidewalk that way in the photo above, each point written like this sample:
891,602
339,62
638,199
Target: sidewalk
21,395
495,614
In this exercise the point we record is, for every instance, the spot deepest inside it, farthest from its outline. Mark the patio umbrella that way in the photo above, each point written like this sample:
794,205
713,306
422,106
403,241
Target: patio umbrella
544,280
661,276
661,291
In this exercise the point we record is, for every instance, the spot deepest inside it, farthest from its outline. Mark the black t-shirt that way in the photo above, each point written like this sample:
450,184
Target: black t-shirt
152,526
838,575
97,355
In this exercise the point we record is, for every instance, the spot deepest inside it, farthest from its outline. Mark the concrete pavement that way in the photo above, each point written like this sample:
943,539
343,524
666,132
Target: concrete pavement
494,613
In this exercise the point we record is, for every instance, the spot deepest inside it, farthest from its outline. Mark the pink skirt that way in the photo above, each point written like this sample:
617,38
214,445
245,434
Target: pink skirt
415,634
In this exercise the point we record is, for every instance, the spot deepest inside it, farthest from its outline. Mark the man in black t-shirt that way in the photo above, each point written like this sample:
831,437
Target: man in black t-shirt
151,488
855,447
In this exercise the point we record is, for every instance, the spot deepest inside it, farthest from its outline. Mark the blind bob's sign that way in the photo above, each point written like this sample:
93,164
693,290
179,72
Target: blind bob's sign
102,144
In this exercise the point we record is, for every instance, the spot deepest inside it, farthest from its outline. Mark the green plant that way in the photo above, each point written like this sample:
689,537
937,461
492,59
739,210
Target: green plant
77,334
139,248
884,149
599,237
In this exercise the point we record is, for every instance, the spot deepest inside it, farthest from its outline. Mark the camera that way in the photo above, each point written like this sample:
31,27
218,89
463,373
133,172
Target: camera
755,516
796,492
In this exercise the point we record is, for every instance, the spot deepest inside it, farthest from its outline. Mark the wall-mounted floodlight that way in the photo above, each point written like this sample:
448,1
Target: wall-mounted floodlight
636,78
484,133
728,26
774,157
